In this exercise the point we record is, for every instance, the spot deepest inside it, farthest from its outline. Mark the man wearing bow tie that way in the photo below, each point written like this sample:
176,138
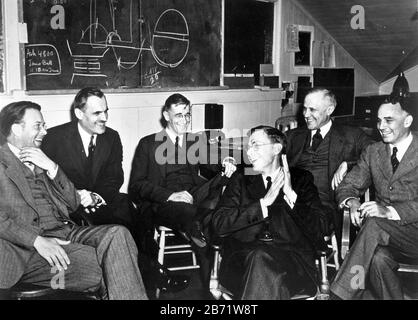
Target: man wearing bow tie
389,225
326,149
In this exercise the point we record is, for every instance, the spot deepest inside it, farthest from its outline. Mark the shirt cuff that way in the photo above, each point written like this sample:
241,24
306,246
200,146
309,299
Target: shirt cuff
53,173
290,198
264,209
393,213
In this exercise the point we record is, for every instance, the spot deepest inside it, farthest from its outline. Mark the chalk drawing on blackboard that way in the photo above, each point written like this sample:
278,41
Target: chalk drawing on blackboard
171,27
86,65
42,59
164,38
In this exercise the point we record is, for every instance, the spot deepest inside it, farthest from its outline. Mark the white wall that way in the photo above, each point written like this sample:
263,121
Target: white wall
135,115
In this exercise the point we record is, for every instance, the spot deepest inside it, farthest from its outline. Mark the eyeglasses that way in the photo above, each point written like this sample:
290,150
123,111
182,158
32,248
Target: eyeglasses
38,126
256,146
180,116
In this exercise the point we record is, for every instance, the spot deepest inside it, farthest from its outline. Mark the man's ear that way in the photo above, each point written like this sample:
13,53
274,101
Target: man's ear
408,121
277,148
330,109
166,116
78,113
16,129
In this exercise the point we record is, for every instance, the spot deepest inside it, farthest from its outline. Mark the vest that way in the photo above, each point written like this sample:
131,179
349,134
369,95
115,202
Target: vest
316,162
49,219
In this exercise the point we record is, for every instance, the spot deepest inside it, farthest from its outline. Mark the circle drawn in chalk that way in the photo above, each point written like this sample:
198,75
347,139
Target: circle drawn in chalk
170,41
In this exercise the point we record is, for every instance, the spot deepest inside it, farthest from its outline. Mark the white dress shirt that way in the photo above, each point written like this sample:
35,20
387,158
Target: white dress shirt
85,138
324,130
16,151
289,198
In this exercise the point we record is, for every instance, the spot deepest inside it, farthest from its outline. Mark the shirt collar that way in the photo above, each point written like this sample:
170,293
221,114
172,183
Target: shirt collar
272,176
85,137
173,136
324,129
15,150
402,147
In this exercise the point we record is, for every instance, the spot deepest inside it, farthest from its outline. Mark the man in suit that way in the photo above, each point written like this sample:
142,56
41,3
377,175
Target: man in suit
326,149
165,181
254,267
389,225
37,237
90,154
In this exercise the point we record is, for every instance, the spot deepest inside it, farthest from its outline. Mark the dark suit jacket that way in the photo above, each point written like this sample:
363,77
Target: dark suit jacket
147,183
239,213
64,146
18,227
399,190
346,144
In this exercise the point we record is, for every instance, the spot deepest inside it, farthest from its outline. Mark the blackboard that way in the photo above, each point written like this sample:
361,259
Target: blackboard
122,43
248,35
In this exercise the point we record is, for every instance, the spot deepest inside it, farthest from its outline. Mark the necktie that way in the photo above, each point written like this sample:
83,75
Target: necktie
316,139
176,150
90,156
268,183
394,160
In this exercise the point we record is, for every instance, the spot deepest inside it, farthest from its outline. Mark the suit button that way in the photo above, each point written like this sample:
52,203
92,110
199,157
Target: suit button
390,188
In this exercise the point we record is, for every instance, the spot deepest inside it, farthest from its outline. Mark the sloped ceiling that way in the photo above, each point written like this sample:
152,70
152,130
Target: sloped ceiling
389,41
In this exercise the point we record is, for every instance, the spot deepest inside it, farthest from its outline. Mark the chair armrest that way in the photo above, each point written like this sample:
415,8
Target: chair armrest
345,236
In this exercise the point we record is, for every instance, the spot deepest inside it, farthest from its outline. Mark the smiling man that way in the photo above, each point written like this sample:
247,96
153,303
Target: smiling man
389,232
254,269
165,181
37,236
326,149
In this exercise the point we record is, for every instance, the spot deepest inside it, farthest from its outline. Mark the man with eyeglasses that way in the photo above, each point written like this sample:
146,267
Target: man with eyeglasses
90,154
255,269
326,149
38,240
165,181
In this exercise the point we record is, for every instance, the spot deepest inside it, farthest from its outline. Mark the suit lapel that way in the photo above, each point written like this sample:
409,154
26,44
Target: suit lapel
409,160
15,173
160,139
75,148
299,141
336,144
384,164
256,188
101,152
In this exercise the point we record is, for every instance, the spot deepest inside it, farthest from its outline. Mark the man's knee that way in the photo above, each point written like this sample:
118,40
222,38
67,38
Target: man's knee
382,258
258,255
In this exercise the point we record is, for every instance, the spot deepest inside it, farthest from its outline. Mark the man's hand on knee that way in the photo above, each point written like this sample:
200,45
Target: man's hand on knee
50,249
182,196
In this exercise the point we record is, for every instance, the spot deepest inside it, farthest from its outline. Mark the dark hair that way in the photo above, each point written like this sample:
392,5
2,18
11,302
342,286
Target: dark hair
175,99
274,134
14,113
328,94
81,99
405,102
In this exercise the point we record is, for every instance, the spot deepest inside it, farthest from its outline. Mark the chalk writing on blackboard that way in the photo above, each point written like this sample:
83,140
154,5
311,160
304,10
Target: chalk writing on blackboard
42,59
100,38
